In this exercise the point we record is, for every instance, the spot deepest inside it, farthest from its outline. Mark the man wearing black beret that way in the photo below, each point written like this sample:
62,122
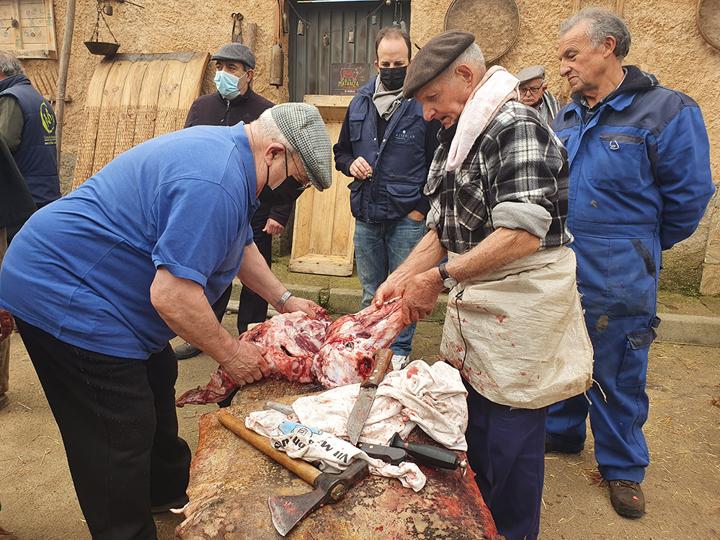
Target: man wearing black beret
498,188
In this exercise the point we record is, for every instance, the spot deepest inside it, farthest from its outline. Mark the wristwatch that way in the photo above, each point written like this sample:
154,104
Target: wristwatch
284,298
448,281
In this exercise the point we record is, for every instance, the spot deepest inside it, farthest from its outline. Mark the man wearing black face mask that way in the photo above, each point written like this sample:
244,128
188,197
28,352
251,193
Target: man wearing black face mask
387,147
234,102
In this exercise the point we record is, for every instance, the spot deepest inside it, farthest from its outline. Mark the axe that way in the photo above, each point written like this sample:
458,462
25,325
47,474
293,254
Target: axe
288,511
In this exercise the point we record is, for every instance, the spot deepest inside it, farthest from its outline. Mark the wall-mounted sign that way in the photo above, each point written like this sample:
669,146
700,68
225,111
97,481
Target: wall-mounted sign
346,79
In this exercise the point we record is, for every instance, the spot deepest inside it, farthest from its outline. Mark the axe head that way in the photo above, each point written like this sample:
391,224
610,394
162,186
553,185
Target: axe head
287,511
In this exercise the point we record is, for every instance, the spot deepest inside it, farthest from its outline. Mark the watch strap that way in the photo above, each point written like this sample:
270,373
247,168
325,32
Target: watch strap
443,272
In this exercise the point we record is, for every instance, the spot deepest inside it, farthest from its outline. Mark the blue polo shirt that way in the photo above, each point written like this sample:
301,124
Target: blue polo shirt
81,267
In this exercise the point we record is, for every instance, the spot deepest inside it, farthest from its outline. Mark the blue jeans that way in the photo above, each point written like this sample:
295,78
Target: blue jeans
379,250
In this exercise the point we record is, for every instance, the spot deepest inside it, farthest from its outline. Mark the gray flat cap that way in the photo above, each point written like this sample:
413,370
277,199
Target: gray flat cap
530,73
434,57
304,129
237,52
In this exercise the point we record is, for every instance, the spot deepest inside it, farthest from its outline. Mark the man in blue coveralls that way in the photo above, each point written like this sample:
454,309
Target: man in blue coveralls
639,183
100,281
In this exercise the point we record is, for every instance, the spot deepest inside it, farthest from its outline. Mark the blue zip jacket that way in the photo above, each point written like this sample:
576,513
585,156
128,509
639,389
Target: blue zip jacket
399,161
639,162
36,157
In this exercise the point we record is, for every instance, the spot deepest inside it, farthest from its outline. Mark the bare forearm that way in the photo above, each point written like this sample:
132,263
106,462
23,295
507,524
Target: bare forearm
427,254
256,274
499,249
184,308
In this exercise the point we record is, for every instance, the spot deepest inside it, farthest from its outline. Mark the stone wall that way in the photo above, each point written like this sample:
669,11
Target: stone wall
666,42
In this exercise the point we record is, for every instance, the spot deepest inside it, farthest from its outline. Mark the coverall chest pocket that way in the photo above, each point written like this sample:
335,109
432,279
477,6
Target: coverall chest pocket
618,160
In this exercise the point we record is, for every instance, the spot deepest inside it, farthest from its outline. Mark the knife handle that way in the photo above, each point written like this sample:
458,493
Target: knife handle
427,454
383,360
301,468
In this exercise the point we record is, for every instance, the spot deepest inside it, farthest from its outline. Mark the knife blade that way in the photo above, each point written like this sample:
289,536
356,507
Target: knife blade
366,396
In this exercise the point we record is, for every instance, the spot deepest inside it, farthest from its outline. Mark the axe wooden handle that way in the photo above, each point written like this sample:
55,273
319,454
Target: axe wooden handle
301,468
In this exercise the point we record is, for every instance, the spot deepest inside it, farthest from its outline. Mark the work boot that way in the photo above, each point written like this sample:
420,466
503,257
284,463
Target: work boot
185,351
627,498
4,400
557,445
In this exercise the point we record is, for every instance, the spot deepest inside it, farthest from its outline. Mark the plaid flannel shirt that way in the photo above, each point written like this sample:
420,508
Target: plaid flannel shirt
515,176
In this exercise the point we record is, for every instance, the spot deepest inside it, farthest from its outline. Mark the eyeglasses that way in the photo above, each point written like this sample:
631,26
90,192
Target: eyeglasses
530,89
304,182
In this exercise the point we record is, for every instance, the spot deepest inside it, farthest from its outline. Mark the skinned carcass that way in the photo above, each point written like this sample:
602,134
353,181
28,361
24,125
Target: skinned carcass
301,349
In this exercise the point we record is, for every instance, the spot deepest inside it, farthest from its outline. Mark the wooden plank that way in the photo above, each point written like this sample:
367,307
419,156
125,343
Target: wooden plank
147,103
328,265
191,86
111,99
324,52
169,97
93,101
129,106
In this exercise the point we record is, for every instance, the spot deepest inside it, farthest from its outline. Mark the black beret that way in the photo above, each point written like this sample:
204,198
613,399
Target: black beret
434,57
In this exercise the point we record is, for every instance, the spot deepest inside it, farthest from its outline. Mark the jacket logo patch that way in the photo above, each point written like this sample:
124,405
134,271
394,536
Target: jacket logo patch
47,118
404,137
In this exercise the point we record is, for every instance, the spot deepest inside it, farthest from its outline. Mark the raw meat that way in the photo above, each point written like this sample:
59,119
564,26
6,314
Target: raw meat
289,342
301,349
347,356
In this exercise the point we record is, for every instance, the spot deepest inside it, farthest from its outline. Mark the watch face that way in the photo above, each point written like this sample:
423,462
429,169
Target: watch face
449,282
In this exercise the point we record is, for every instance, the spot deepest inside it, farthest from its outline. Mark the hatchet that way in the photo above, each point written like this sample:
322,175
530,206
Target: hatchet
288,511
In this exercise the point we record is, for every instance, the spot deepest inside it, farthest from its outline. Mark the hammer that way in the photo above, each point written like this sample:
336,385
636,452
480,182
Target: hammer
288,511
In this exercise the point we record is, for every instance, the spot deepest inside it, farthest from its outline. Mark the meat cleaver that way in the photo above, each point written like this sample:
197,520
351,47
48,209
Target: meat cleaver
366,396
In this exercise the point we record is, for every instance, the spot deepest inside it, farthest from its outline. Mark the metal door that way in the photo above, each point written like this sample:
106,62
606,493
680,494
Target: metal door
332,42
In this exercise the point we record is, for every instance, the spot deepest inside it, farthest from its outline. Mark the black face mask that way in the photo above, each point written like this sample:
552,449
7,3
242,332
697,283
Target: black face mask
393,78
286,192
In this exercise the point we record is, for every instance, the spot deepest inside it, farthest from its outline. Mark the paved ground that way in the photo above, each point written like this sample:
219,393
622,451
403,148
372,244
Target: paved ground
682,486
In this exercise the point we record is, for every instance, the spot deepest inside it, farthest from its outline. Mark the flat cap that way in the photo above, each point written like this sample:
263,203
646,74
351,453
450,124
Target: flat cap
434,57
303,127
237,52
530,73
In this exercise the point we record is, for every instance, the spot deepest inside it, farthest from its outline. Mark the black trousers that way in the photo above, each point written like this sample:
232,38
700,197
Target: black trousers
252,307
119,426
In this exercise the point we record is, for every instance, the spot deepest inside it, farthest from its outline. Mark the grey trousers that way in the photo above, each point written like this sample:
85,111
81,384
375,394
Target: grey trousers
5,345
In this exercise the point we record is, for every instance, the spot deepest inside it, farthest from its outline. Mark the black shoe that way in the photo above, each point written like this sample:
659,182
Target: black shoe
627,498
555,445
185,351
177,503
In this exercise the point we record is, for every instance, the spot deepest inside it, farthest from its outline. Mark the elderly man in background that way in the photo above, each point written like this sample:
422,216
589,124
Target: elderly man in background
235,101
27,123
100,281
534,93
639,183
498,196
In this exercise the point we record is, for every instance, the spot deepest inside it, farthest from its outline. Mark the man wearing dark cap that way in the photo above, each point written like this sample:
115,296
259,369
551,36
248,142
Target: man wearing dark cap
514,326
101,280
534,93
235,101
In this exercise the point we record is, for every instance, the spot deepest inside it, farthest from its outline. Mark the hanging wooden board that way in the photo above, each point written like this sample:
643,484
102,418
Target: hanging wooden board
324,226
132,98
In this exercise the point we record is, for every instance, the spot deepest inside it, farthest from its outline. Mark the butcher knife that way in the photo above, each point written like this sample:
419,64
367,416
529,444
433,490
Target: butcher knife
366,396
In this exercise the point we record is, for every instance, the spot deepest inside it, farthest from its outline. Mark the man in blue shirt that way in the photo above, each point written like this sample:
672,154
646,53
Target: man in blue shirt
101,281
639,183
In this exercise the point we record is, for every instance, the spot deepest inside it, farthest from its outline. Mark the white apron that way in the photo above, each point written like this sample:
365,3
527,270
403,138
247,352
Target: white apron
524,332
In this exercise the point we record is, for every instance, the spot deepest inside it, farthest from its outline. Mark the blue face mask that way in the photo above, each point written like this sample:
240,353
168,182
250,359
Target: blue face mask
227,84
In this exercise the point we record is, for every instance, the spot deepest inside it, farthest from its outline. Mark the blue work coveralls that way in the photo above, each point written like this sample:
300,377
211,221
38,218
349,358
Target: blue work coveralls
639,183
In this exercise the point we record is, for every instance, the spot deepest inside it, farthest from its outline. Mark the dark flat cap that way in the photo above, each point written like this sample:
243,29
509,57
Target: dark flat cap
530,73
236,52
434,57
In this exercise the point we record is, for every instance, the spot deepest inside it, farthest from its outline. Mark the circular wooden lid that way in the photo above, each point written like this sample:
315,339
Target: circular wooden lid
708,21
495,24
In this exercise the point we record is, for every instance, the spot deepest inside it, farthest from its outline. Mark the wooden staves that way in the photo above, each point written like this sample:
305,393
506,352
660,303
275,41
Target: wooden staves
132,98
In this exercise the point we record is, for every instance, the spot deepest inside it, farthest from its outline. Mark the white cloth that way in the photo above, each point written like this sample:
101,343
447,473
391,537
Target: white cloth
432,397
524,331
327,452
495,89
